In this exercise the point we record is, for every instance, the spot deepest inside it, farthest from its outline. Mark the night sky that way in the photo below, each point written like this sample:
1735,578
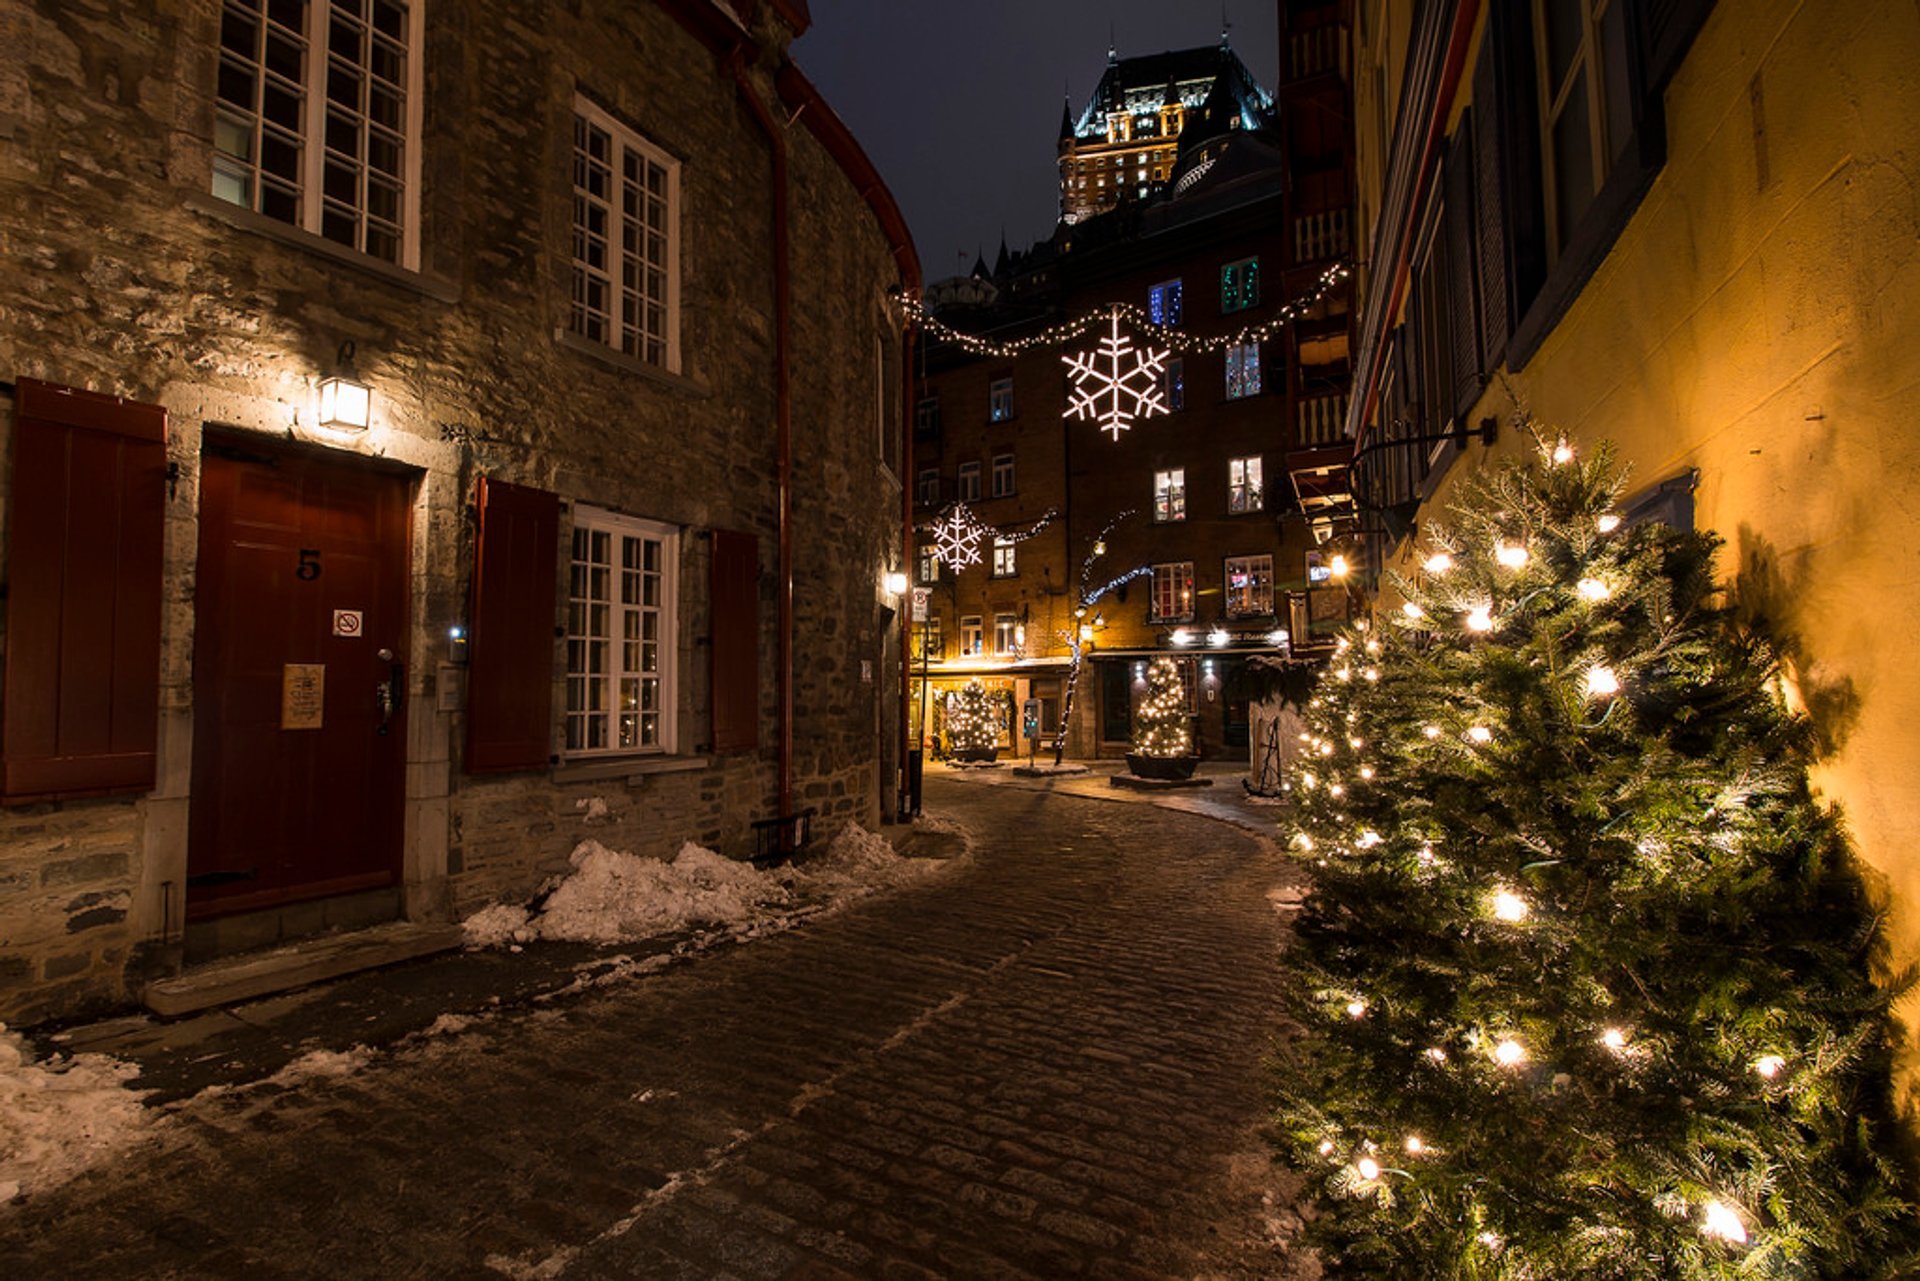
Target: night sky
958,104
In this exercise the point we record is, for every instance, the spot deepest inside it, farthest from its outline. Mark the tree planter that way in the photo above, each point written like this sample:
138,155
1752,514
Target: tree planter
1167,767
984,755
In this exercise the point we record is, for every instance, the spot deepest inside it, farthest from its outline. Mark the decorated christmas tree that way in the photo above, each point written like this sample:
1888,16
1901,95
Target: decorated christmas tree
1160,722
1586,981
971,723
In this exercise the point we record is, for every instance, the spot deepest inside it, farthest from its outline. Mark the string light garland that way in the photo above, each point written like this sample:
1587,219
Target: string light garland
958,534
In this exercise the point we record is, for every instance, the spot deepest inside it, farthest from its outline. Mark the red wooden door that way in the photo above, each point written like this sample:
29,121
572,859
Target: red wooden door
299,753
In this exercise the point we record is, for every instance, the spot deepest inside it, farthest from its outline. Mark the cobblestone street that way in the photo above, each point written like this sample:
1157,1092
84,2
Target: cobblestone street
1046,1062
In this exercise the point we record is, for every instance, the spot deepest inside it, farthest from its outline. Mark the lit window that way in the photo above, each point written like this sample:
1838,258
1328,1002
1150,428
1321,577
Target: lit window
315,126
1163,303
972,638
1249,586
1170,494
625,293
1175,383
1000,400
1243,485
1172,592
1243,370
969,483
1006,635
926,490
1240,285
927,565
1586,103
621,631
1002,475
1003,558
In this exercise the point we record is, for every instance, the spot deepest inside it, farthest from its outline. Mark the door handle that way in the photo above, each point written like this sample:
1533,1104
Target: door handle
389,693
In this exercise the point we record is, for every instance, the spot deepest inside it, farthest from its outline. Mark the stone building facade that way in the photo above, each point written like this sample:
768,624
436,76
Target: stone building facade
608,557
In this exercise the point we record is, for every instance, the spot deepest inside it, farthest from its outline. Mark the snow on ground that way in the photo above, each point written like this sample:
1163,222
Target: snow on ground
59,1116
321,1065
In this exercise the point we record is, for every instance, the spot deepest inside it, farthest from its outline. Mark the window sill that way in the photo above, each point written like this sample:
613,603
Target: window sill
627,364
211,206
630,768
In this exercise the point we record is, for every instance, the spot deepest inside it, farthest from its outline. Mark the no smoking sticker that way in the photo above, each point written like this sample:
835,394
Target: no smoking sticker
346,622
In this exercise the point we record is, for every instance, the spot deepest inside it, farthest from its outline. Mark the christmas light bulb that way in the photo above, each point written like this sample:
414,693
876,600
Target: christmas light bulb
1510,1053
1366,771
1426,853
1438,563
1510,555
1372,673
1326,749
1601,682
1367,1167
1326,1146
1480,734
1373,647
1414,1146
1431,731
1563,453
1480,619
1369,839
1593,589
1413,611
1355,744
1719,1220
1344,673
1492,1240
1769,1065
1356,1008
1509,906
1307,781
1334,789
1305,737
1608,522
1437,1054
1614,1039
1303,841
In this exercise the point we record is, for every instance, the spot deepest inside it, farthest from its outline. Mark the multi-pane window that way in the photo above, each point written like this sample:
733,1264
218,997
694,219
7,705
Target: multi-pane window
1243,485
1163,303
1175,383
620,634
1170,494
1172,596
926,416
1006,635
1002,475
1243,370
625,232
1003,558
927,565
1000,400
1586,103
1240,285
972,639
1249,586
969,483
315,125
926,488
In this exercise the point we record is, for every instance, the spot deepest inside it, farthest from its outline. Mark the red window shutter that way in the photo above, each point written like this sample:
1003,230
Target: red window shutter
736,641
510,642
82,694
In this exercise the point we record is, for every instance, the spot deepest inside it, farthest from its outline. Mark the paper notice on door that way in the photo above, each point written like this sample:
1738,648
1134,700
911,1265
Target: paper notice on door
303,695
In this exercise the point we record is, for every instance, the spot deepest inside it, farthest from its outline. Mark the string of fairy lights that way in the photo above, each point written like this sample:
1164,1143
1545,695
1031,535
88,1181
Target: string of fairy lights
1173,336
1161,728
958,534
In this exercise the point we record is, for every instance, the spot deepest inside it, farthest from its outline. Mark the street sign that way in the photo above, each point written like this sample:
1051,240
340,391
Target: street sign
920,597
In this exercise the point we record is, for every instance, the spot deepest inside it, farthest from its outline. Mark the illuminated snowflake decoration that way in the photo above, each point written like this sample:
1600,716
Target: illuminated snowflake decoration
1114,384
957,536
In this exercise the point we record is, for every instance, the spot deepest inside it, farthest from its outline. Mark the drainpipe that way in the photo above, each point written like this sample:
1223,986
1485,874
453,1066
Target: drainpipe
907,562
735,63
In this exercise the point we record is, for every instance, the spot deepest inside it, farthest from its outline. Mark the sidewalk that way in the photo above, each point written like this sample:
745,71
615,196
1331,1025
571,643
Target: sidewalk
1226,800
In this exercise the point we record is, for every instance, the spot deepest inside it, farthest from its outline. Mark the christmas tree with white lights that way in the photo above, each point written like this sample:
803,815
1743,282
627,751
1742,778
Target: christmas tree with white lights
1160,722
1586,979
973,728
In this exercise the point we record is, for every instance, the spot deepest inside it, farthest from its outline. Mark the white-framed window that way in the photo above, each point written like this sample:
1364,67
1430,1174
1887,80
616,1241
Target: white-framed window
1240,285
626,240
972,638
1002,475
1174,383
622,623
317,122
1164,303
1000,399
926,565
926,416
926,489
1586,104
1006,635
1249,586
1244,493
1004,560
1170,494
1172,595
969,483
1243,370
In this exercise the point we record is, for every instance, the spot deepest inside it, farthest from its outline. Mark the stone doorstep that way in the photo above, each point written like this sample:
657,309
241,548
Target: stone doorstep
241,978
1137,784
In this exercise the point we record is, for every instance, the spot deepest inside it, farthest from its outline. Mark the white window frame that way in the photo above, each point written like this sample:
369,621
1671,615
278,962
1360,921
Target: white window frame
587,115
967,483
1608,114
1170,596
1003,475
1246,490
927,487
1259,588
1170,495
973,637
1000,400
1005,559
1239,384
1006,635
927,564
581,599
248,128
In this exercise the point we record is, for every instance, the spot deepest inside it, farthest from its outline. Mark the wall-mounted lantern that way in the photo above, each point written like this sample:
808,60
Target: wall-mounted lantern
346,403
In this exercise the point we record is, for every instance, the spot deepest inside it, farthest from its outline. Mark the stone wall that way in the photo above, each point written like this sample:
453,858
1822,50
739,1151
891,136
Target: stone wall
123,276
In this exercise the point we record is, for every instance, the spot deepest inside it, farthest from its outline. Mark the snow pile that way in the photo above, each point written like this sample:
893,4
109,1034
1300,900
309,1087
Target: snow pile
857,862
60,1116
321,1065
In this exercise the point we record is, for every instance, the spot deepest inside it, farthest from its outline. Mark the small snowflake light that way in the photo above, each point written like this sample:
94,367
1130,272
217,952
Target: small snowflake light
1114,384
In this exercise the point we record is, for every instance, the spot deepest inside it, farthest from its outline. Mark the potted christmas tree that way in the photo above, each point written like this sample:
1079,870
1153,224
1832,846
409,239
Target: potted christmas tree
972,730
1162,742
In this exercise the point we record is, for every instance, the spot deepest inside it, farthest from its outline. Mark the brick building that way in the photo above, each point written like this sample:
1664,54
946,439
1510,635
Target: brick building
1247,220
432,427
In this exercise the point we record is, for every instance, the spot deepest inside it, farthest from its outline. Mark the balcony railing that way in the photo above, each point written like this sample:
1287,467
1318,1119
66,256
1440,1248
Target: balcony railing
1323,422
1321,236
1316,51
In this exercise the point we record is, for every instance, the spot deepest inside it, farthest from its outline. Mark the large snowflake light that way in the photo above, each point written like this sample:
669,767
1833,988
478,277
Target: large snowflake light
957,536
1113,384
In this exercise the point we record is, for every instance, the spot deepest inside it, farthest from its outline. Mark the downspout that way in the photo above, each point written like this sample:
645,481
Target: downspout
907,562
735,63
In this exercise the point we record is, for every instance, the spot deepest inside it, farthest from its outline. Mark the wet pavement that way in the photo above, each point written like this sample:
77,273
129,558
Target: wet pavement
1045,1060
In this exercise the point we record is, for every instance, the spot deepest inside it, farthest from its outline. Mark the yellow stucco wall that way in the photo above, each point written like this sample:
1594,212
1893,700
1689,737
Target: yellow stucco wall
1769,335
